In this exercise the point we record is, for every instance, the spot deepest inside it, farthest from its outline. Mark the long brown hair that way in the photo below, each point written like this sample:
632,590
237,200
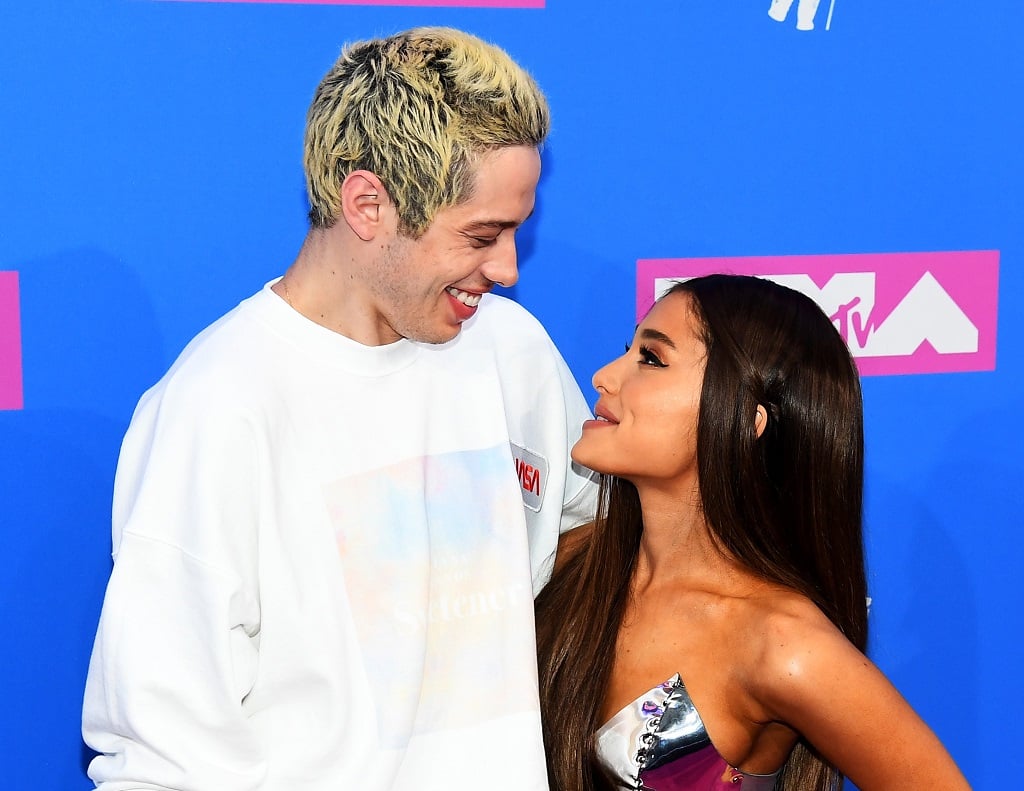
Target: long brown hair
787,505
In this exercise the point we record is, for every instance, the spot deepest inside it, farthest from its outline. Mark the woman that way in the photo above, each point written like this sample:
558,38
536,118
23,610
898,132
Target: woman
708,630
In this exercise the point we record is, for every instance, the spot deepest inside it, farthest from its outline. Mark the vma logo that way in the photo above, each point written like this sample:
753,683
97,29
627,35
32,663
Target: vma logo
805,12
900,313
11,394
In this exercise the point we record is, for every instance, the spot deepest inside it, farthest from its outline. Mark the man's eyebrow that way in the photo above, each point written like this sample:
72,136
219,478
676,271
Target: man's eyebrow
489,225
481,225
657,335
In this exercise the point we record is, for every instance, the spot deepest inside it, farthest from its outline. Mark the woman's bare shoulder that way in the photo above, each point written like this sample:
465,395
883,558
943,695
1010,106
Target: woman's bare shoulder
788,636
810,677
795,651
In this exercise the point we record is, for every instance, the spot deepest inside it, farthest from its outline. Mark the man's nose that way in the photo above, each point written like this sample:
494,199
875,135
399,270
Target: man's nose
503,268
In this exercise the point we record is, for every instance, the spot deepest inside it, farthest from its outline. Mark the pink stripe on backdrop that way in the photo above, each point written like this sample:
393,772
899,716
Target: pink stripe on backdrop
11,393
968,278
435,3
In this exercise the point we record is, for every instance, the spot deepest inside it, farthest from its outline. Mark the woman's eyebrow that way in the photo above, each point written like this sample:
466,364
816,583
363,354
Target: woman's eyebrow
657,335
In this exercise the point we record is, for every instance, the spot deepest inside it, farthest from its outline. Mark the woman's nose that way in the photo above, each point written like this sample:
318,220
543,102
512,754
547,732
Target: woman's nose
605,380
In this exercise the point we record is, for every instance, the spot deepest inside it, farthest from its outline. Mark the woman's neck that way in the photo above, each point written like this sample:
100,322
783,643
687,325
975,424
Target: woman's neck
676,544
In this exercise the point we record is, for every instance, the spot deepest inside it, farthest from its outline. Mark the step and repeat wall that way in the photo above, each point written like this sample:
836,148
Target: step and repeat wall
865,152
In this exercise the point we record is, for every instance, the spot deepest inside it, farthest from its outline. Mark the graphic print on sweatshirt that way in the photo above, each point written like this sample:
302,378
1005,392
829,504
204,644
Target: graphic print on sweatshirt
435,562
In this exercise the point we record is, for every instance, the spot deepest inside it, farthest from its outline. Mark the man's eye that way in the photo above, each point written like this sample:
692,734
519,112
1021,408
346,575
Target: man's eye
648,357
482,241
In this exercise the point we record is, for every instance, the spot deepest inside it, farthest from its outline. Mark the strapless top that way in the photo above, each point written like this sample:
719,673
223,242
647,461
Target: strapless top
659,743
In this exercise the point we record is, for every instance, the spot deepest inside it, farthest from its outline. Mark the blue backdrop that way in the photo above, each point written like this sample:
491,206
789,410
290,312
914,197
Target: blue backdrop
150,178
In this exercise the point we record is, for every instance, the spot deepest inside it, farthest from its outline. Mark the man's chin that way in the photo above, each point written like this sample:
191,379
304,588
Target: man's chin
437,337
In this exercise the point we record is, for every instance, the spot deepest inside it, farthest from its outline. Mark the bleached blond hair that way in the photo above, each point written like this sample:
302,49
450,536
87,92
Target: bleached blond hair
416,109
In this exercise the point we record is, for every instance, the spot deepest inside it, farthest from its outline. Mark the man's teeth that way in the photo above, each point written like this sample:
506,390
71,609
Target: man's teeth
469,300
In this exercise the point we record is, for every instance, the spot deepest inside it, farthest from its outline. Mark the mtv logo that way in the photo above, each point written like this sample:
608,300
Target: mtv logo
899,313
805,11
11,395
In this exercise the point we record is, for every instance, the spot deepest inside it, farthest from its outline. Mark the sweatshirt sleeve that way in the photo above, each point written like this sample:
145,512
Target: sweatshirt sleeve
177,645
545,410
580,499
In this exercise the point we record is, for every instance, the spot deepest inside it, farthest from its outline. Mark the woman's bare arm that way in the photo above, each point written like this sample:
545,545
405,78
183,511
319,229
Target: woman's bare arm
818,683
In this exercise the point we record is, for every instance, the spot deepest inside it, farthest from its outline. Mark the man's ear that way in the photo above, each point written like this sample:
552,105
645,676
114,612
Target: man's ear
363,203
760,420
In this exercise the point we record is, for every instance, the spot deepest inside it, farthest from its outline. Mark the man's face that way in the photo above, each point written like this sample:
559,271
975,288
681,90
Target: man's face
428,286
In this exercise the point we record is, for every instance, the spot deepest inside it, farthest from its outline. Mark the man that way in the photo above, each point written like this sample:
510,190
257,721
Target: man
331,513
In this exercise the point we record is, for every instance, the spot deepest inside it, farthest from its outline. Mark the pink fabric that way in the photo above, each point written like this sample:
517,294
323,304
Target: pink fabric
704,770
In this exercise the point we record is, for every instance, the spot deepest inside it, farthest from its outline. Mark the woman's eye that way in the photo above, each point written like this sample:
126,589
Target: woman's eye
648,357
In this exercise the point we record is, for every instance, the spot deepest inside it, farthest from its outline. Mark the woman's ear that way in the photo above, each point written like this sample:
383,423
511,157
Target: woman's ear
760,420
363,200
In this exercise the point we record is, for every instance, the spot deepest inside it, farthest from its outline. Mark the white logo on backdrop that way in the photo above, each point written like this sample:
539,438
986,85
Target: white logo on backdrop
805,12
926,313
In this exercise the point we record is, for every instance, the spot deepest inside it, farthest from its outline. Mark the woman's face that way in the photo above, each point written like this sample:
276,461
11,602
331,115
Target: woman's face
646,426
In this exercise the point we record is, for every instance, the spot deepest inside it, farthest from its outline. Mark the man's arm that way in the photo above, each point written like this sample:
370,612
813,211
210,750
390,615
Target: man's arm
176,649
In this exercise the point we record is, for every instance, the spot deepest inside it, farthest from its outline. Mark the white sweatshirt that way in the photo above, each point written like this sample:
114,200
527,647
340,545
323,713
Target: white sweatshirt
325,556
